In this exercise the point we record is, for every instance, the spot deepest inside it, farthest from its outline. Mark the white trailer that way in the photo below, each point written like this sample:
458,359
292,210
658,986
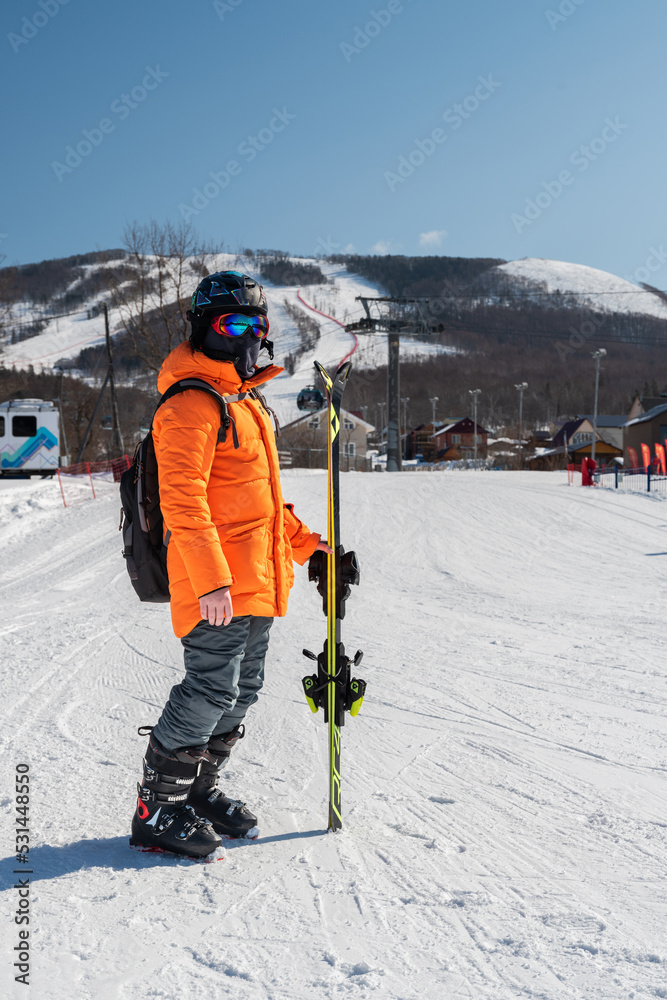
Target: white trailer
29,437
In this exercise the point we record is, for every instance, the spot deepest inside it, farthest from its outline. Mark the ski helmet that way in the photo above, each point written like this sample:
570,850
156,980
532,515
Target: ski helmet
221,292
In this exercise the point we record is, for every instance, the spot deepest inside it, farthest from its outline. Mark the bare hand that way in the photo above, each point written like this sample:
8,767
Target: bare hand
216,607
323,547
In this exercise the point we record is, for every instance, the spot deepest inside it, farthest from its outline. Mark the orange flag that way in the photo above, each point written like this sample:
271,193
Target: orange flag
634,461
660,452
646,455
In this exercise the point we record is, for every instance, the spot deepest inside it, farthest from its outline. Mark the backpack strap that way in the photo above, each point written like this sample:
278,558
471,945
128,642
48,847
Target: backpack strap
226,419
256,394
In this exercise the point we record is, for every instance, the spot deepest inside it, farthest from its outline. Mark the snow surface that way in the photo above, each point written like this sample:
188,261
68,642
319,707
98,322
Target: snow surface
597,289
504,791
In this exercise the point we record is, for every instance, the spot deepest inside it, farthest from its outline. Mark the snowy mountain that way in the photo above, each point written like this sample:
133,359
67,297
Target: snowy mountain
63,338
503,785
590,287
520,296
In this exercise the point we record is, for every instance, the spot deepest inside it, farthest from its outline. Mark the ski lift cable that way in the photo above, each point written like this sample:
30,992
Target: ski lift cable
44,318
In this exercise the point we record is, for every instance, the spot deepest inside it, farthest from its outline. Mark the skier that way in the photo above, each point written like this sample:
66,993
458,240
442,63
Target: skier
229,557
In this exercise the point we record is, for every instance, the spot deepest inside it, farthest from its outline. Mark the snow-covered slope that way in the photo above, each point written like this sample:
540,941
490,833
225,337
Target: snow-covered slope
592,287
65,337
503,786
336,300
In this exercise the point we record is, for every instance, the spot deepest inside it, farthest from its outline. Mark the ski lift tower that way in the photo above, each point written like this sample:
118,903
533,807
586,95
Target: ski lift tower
397,317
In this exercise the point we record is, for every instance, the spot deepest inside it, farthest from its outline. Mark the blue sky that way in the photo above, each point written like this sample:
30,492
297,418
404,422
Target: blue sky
482,128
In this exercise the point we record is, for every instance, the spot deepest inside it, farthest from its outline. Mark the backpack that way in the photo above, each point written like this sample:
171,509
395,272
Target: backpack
144,541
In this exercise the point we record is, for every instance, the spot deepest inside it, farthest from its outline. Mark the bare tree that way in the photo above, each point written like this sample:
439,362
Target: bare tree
166,260
8,297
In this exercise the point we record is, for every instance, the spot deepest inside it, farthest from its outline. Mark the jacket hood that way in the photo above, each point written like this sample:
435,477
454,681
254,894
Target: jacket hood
184,362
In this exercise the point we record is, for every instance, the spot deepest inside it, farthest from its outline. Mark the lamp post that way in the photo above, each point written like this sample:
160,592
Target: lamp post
433,400
598,356
475,393
521,388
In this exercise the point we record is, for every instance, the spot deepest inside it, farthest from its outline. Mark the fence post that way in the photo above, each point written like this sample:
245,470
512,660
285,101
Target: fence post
91,479
616,476
60,483
648,478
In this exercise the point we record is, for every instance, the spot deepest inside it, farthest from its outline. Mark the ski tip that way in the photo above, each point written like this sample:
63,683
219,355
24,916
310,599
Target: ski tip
324,375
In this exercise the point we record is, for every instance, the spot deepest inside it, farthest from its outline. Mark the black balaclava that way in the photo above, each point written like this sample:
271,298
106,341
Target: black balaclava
242,351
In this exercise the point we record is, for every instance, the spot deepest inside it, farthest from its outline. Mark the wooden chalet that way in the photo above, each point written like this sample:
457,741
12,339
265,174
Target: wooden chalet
457,440
303,442
574,441
649,428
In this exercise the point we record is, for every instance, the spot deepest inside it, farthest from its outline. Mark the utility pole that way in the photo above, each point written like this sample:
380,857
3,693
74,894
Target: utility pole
521,388
116,436
475,393
597,356
93,415
433,400
63,432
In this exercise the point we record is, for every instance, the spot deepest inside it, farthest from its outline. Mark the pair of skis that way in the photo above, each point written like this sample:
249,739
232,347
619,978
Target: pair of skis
333,688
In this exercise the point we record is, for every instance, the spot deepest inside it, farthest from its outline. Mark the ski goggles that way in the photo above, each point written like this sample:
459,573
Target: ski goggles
236,325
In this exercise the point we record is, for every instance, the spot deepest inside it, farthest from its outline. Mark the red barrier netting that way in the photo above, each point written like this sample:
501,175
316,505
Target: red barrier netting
81,475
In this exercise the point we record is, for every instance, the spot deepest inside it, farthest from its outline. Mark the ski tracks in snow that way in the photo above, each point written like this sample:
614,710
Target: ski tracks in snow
503,786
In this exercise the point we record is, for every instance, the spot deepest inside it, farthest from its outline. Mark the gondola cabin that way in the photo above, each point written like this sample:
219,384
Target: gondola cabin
310,399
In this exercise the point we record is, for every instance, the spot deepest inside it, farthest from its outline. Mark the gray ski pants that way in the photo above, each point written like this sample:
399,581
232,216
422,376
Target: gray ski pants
224,671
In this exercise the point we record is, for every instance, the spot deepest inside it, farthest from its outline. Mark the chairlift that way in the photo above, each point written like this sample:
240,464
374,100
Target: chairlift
310,399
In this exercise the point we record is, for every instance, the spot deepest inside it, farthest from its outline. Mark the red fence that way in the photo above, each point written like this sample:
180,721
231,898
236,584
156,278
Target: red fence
115,466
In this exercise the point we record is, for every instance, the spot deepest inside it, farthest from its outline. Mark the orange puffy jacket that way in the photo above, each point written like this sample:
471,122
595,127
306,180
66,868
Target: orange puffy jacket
223,505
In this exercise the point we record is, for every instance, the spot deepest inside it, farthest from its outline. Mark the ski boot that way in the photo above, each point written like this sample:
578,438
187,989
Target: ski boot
162,819
228,817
